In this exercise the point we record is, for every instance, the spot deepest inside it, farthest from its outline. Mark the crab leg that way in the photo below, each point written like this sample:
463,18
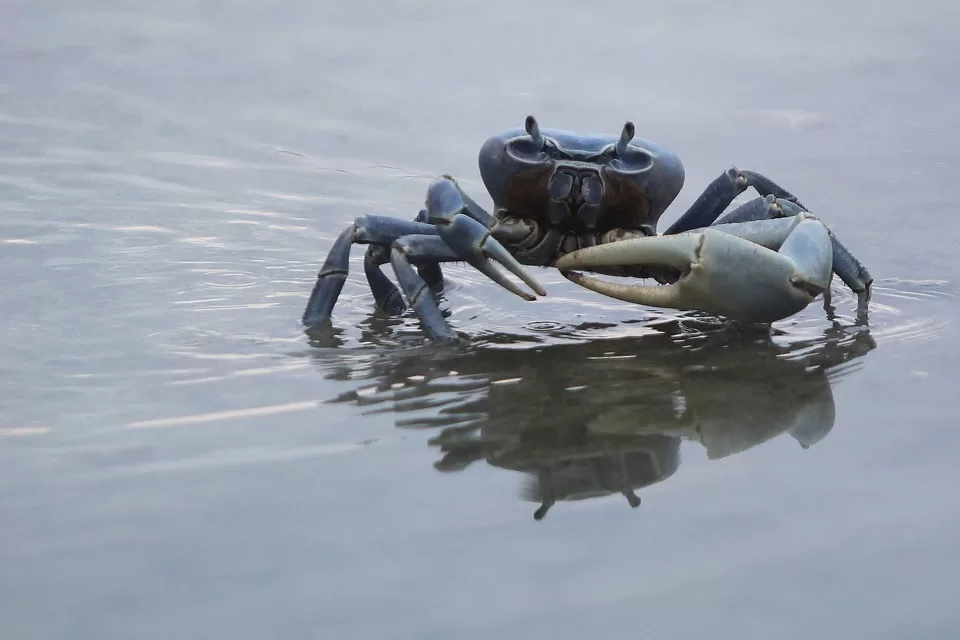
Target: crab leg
430,272
471,208
385,293
755,272
411,250
721,193
853,274
450,214
471,240
376,230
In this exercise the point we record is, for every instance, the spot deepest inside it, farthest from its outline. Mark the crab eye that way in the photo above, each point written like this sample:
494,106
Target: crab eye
632,160
625,157
526,149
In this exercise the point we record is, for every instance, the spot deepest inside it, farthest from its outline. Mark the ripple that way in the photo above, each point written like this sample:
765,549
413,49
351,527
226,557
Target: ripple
894,301
143,182
212,242
233,414
226,279
544,325
19,432
59,124
901,310
207,344
228,363
259,212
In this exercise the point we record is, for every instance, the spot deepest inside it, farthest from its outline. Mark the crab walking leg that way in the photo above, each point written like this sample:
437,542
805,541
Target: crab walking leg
330,279
411,248
721,193
845,264
448,216
377,230
385,293
473,209
765,208
756,272
430,249
853,274
430,272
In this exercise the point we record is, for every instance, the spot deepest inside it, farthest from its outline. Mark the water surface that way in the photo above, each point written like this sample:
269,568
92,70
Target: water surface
178,460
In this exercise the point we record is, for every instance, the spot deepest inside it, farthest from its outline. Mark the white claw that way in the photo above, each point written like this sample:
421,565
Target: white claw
674,251
722,274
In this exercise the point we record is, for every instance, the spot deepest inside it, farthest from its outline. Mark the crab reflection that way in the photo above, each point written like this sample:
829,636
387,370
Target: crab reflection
608,417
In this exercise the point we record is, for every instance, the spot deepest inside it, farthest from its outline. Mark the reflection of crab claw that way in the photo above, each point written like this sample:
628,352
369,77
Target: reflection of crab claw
755,272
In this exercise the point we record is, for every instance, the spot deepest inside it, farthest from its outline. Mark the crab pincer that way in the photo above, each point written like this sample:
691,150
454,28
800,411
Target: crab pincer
757,272
472,241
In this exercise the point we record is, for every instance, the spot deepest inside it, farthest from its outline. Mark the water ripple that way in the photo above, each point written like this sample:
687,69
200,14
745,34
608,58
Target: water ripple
228,279
900,310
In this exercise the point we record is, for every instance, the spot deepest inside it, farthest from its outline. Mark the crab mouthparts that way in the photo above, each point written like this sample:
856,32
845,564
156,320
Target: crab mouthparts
575,193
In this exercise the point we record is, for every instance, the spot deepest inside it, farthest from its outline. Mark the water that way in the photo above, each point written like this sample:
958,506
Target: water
177,460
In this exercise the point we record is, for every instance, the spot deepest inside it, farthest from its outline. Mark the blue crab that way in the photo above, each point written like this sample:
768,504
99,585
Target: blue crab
592,203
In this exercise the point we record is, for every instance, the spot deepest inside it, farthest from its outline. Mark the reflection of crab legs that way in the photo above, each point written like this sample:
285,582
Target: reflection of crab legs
757,271
545,480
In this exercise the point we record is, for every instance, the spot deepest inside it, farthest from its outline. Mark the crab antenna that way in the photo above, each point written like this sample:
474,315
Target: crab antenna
625,137
530,124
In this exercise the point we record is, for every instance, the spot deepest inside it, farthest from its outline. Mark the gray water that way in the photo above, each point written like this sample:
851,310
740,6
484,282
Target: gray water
177,460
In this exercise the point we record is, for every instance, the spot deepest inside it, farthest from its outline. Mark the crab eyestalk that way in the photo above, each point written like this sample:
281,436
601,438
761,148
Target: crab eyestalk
533,129
625,137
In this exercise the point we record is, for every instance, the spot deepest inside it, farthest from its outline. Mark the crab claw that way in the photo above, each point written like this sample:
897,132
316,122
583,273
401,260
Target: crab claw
784,265
448,211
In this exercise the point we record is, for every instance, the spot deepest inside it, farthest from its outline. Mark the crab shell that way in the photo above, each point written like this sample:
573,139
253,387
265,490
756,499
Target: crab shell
580,183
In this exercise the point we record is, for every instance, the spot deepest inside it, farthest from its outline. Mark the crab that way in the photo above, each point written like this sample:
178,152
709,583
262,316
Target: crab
591,203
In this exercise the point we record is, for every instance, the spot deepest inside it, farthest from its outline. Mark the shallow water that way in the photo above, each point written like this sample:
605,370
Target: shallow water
178,460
